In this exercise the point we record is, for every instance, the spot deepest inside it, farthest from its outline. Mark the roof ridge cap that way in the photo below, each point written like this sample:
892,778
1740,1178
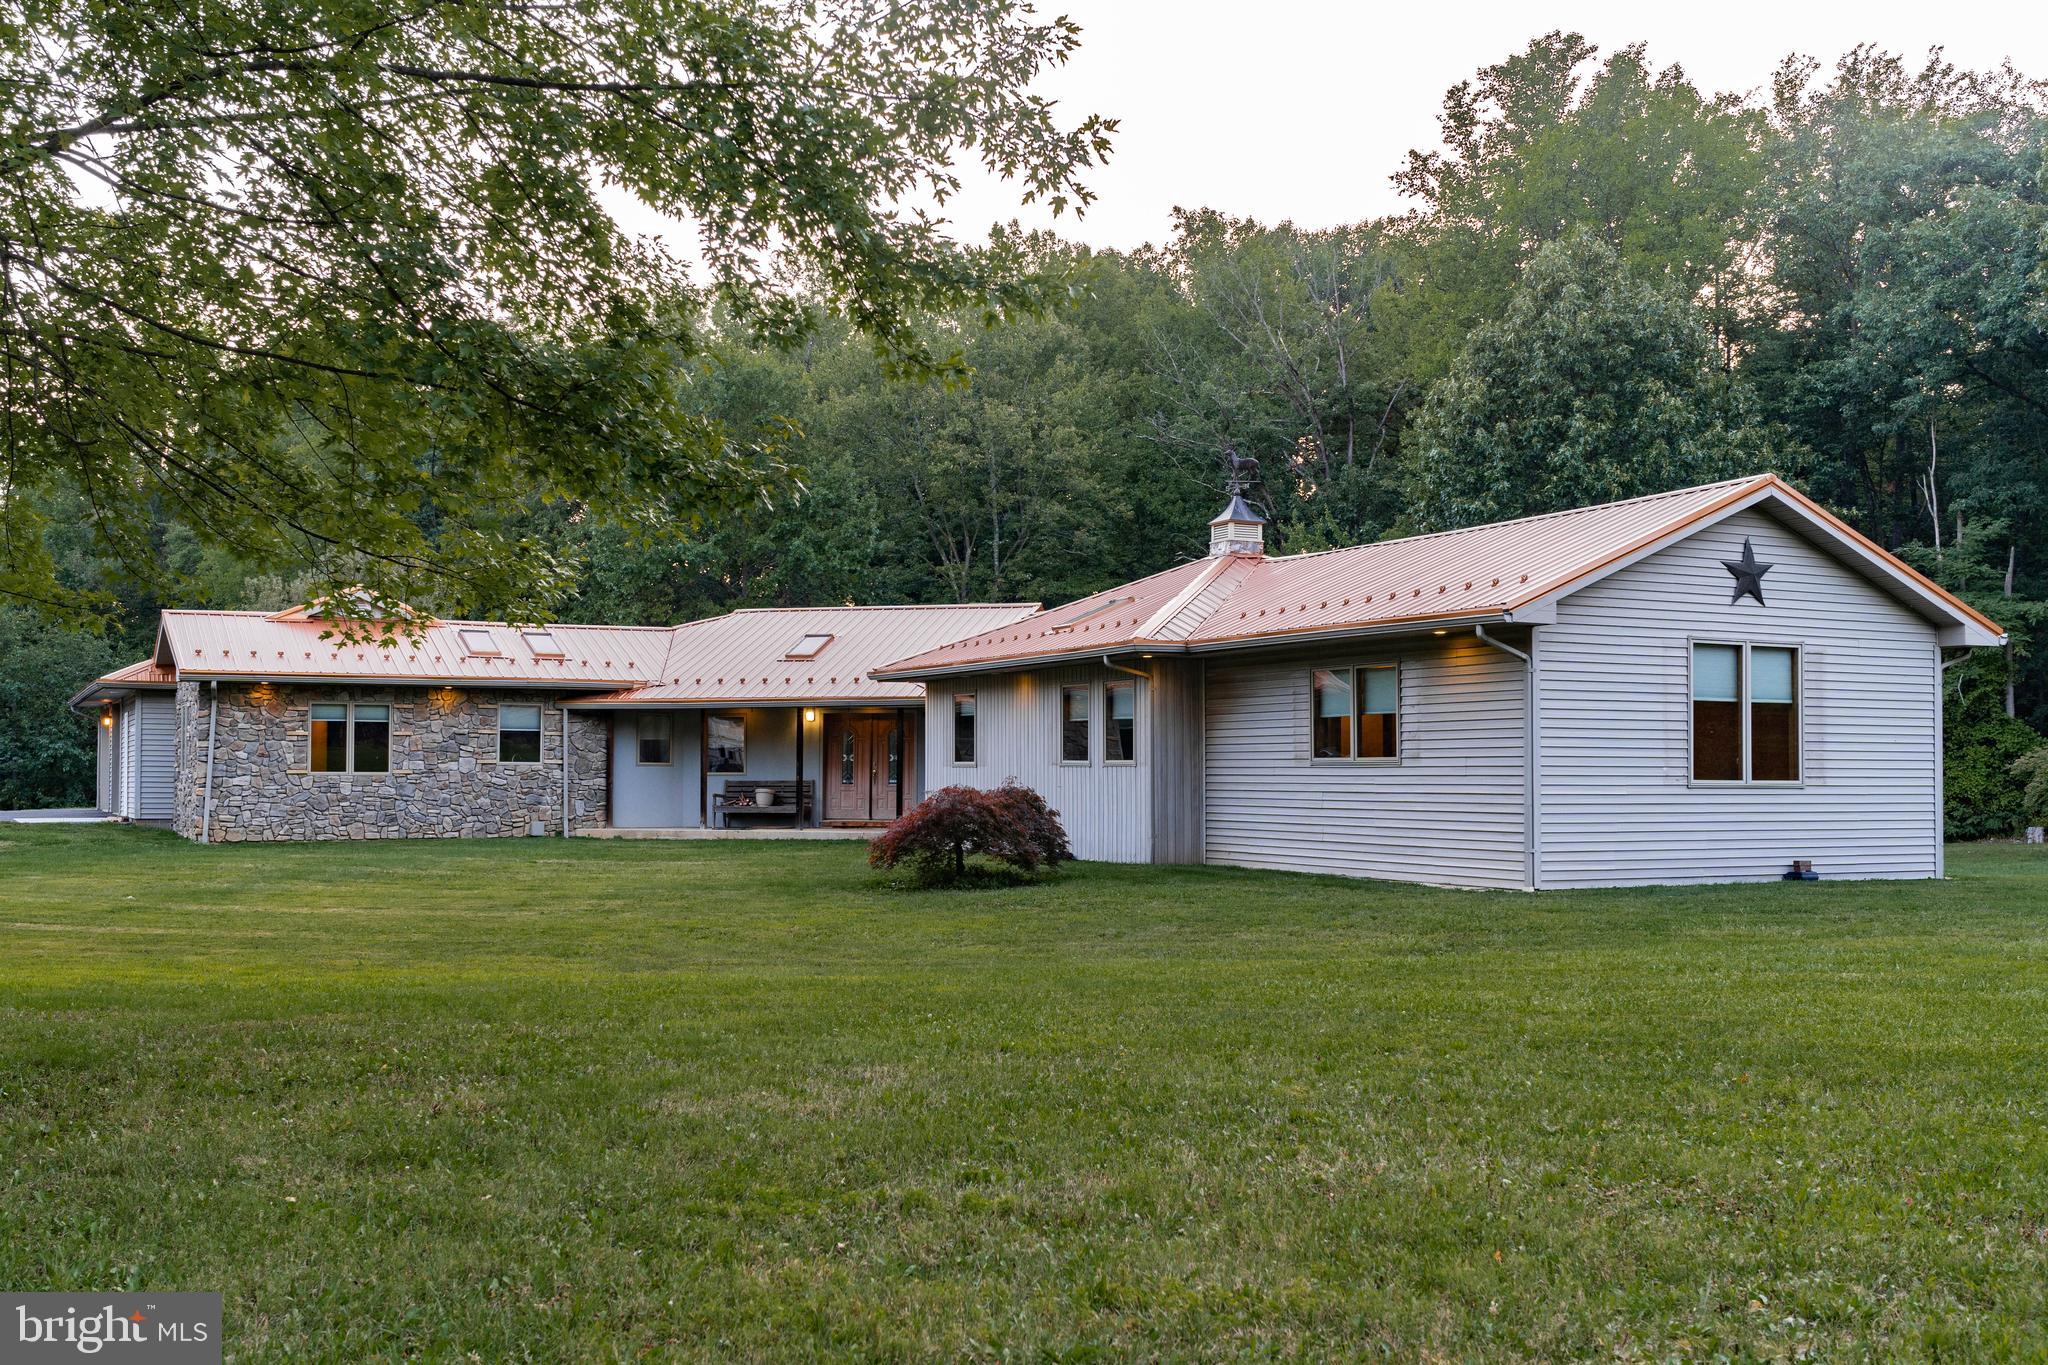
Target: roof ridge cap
1720,485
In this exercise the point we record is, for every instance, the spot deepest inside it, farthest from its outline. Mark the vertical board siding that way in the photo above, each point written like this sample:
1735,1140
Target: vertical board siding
1452,811
1176,760
128,729
103,784
1616,807
156,773
1106,808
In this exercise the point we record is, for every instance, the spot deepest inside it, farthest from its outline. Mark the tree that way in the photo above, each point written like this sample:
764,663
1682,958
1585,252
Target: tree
1285,356
46,751
334,284
1535,149
1595,385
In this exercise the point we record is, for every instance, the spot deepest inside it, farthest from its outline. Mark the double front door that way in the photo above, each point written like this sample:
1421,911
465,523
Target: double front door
864,767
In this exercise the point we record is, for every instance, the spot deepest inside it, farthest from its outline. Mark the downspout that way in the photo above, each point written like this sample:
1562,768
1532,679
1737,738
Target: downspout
565,772
1528,737
1116,667
206,800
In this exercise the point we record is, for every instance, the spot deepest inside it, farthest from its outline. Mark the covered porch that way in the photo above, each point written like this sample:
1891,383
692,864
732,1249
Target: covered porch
762,770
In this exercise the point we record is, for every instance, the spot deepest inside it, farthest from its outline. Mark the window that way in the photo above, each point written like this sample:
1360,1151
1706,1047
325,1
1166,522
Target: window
1333,713
541,643
963,727
330,738
369,739
657,735
350,739
895,765
477,640
518,734
1745,713
810,647
1379,704
1120,739
1773,714
727,747
846,751
1356,712
1073,725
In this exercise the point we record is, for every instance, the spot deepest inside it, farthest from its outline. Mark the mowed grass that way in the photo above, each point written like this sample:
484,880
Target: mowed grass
588,1100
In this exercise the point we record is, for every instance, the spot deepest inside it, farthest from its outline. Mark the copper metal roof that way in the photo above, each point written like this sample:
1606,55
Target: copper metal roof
284,645
736,658
745,658
1480,573
147,675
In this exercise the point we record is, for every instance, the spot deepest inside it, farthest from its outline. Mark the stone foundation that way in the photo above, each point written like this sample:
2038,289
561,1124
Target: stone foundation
445,779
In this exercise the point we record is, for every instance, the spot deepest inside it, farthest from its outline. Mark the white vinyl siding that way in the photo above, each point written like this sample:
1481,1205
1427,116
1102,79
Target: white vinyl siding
1616,804
1105,807
145,757
1451,811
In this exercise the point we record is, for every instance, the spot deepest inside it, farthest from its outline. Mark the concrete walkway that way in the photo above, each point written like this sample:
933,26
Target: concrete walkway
69,815
694,832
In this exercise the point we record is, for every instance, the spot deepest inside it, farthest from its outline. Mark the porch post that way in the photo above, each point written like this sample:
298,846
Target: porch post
704,769
799,767
902,762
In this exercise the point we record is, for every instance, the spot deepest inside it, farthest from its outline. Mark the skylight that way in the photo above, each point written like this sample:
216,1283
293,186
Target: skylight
542,643
1098,609
477,640
810,647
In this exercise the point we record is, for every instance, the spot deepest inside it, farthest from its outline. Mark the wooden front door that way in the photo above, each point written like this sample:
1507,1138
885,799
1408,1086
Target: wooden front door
863,767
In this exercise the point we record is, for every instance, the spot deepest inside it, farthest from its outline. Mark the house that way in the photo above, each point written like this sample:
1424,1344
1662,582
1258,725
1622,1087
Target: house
1702,685
254,726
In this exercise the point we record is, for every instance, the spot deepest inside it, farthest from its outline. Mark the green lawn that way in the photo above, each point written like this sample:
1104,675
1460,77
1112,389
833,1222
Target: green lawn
537,1100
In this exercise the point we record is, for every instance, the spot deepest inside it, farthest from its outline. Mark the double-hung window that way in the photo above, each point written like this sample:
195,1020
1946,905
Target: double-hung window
1074,717
350,737
963,727
656,736
1120,735
725,739
1356,712
518,734
1745,713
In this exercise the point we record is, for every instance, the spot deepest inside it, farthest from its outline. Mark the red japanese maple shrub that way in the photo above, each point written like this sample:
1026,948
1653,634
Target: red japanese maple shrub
936,837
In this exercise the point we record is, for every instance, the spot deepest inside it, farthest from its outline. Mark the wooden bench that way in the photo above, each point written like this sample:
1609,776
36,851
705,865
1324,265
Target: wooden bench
739,801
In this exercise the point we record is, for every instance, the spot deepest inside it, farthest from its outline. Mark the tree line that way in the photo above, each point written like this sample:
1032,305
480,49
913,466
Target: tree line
1608,282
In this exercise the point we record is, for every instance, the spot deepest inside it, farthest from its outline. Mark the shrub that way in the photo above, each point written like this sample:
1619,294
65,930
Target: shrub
1011,824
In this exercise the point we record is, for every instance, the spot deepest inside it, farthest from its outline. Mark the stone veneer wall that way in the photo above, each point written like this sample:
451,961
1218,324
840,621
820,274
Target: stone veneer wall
445,778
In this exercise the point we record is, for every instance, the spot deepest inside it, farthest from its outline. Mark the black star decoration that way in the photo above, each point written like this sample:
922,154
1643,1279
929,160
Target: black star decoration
1749,575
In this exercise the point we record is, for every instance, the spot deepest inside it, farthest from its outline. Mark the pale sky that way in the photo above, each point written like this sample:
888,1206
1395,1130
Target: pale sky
1302,109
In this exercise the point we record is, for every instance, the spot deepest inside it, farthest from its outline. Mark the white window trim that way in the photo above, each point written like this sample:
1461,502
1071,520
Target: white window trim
1059,733
740,771
1742,714
953,759
1109,720
638,760
1354,760
540,728
348,739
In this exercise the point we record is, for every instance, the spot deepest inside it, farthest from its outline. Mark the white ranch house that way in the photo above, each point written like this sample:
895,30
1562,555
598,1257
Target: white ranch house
1704,685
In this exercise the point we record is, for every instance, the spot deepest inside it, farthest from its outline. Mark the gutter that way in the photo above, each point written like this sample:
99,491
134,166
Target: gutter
1528,735
1414,625
206,801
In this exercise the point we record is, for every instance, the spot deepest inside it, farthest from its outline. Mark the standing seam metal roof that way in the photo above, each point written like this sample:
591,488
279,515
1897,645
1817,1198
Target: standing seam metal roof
1478,572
